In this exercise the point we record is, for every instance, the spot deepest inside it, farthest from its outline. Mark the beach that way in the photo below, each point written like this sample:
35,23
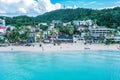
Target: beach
61,47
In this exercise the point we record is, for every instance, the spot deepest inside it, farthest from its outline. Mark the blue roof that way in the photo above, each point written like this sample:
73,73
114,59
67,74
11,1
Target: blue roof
65,37
95,35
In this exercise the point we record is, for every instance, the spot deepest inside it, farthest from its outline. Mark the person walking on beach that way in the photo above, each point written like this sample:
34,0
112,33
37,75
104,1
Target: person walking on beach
41,47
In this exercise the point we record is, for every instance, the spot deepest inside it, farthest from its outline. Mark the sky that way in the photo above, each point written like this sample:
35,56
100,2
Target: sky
94,4
37,7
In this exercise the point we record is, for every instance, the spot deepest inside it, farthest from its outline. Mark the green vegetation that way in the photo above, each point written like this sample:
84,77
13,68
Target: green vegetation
105,17
65,30
18,34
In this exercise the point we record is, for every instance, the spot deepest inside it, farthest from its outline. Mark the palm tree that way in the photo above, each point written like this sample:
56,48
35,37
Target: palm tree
102,39
87,34
40,36
25,35
53,33
115,32
110,33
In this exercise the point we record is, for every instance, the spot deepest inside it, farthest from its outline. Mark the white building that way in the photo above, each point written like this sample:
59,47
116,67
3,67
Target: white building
56,22
84,22
76,22
78,39
100,31
51,27
117,39
2,27
2,22
10,26
45,24
68,23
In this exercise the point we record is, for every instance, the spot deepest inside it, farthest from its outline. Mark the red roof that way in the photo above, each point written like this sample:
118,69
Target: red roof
2,27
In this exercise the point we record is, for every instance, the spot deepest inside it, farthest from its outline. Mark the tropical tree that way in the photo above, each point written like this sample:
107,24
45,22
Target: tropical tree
109,41
53,33
87,34
102,38
14,36
115,32
24,34
43,27
40,36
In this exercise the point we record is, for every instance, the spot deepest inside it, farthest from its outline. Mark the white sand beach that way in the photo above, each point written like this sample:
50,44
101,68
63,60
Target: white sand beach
61,47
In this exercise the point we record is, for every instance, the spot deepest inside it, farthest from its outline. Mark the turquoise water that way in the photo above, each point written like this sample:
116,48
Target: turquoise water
75,65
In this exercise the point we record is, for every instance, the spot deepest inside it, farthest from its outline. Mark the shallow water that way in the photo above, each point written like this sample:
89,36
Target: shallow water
73,65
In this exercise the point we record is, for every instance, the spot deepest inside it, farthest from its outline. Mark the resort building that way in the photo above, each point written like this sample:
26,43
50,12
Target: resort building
117,39
81,28
51,27
87,22
2,28
64,39
99,34
100,31
76,22
78,39
68,23
56,22
84,22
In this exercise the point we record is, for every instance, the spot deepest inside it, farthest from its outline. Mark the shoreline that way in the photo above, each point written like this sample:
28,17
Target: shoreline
61,47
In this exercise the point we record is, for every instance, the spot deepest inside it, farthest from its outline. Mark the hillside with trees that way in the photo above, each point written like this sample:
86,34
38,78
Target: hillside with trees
105,17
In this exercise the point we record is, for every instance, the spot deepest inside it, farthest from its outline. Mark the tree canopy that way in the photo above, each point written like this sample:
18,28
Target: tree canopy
104,17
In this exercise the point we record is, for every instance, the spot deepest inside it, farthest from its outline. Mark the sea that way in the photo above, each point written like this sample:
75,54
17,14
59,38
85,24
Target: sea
64,65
